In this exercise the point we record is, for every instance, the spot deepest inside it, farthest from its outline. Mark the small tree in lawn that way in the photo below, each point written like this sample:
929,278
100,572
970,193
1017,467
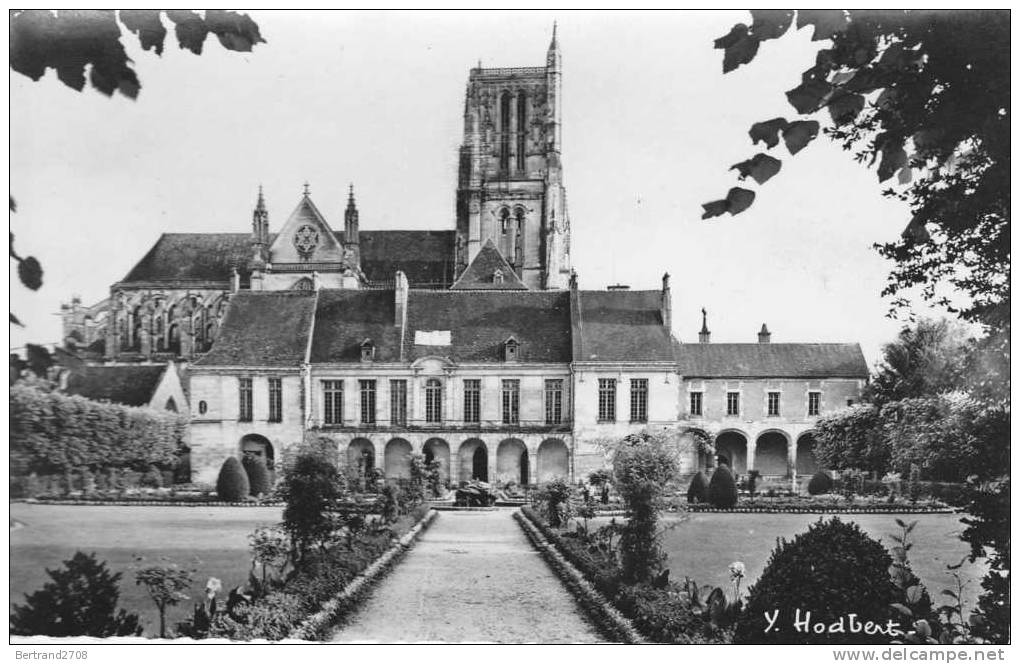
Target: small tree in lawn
232,483
166,586
311,488
643,466
79,600
270,549
722,489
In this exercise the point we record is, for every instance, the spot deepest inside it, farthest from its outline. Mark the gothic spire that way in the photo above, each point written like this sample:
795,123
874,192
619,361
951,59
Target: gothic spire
553,45
351,218
704,336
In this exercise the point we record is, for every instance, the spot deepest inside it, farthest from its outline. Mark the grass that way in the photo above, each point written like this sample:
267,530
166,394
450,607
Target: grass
702,545
210,540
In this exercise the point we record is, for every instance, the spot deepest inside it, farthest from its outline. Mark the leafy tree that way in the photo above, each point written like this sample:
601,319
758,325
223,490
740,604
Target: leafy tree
644,465
80,600
311,488
71,41
928,358
697,492
722,488
852,437
258,474
926,95
166,586
988,533
232,482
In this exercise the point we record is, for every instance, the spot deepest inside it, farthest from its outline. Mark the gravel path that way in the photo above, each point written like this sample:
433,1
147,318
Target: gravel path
473,576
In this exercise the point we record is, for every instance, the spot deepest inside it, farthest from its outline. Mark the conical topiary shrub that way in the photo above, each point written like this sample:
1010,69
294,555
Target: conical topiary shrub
232,483
823,577
258,474
722,490
820,483
697,492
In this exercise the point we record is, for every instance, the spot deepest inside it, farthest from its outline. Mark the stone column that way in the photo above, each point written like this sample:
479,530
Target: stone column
752,447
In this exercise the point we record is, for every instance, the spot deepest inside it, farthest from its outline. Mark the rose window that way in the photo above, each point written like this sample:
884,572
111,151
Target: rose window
306,240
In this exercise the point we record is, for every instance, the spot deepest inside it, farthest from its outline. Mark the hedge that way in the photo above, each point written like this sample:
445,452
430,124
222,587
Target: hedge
53,432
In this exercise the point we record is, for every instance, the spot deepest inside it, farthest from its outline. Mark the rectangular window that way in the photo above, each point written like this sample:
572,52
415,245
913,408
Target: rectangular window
398,403
696,401
275,399
511,402
244,413
733,403
607,399
367,401
773,403
333,401
638,399
472,400
554,401
433,400
814,402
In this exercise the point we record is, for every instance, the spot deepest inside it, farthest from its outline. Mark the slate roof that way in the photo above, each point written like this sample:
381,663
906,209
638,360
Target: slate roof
193,257
479,322
478,275
772,360
621,326
131,385
345,318
263,328
426,257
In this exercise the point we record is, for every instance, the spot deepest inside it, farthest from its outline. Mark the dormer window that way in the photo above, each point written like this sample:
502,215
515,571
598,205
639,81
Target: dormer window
497,276
367,350
511,350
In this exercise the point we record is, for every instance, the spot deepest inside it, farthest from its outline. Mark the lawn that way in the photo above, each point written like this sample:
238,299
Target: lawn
702,545
211,540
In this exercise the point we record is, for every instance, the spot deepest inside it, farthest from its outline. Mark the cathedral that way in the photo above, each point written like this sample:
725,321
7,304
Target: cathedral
475,346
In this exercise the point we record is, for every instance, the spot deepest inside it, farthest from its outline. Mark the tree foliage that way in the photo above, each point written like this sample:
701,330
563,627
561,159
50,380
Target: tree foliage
644,465
927,358
311,488
232,482
166,586
851,437
722,488
925,95
79,600
54,432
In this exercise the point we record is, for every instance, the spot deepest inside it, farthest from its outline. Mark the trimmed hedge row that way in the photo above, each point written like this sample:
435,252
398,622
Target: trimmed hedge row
54,433
827,509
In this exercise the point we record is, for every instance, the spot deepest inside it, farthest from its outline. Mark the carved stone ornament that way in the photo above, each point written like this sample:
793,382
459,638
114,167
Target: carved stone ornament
306,239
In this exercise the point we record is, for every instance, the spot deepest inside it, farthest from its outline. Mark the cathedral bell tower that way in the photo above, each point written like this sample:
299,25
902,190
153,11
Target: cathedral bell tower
510,187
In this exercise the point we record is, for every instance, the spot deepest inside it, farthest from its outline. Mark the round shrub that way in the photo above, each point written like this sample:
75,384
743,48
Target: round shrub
722,490
232,483
258,475
697,492
820,483
832,570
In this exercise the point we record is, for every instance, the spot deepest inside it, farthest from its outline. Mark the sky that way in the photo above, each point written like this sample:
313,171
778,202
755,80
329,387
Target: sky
650,128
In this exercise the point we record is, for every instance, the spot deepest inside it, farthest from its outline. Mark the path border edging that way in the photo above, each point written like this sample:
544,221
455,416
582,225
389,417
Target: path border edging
315,626
606,617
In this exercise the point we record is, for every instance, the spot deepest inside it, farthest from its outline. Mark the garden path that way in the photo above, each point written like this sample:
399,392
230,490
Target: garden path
474,577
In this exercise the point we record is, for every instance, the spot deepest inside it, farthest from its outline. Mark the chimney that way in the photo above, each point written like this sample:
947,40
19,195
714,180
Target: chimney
400,295
400,300
704,336
764,336
667,303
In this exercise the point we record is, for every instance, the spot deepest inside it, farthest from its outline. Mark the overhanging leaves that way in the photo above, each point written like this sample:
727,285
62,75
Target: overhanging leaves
845,106
761,167
768,131
30,272
809,96
798,134
828,22
770,23
740,47
736,201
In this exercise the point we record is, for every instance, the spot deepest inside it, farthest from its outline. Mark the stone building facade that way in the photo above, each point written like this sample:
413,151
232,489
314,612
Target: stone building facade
474,346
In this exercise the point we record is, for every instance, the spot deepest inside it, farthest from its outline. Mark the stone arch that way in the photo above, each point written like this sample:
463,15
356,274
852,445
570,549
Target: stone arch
806,463
771,453
361,458
397,459
437,449
731,449
553,460
258,445
303,284
512,462
691,444
473,460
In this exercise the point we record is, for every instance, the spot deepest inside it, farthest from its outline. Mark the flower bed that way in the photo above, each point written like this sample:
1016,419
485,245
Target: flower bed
658,614
824,505
327,587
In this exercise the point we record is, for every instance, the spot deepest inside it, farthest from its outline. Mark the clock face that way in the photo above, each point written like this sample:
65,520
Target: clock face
306,239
